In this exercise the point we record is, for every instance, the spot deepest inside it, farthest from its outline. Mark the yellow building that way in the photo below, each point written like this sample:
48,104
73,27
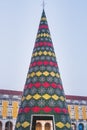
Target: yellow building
77,106
9,104
10,101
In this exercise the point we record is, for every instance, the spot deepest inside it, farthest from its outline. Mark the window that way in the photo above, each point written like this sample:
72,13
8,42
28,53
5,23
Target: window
10,102
9,112
0,102
0,111
38,126
72,112
47,126
80,112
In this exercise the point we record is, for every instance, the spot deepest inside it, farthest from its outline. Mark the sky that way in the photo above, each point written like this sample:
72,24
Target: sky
67,20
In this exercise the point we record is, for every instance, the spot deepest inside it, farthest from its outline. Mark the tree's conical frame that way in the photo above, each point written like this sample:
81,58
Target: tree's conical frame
43,96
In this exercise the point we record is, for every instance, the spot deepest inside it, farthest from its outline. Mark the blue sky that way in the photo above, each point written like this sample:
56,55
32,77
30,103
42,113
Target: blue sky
19,21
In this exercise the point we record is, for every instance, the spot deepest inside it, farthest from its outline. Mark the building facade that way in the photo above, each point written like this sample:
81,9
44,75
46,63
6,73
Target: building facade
10,102
9,105
77,106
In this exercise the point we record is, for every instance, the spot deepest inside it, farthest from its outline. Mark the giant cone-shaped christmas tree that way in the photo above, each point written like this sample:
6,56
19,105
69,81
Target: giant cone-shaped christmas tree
43,101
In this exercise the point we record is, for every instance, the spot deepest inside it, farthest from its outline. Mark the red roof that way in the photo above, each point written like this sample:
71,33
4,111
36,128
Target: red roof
72,97
10,92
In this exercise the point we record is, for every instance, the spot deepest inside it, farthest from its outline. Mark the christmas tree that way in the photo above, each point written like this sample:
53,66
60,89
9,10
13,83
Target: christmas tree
43,104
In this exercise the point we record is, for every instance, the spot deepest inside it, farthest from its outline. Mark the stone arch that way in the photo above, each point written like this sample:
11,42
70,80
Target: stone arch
73,126
47,126
38,126
0,125
8,125
81,126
